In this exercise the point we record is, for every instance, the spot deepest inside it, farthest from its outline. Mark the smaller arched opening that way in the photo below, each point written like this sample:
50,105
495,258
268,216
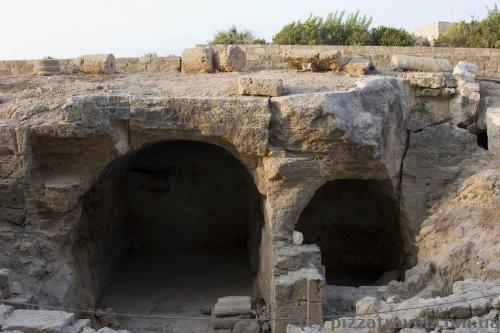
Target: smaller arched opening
356,225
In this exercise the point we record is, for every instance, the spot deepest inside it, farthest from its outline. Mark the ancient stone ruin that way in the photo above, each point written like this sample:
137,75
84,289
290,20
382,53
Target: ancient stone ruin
202,194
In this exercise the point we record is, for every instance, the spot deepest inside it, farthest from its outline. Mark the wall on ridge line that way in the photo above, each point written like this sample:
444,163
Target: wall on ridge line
123,65
271,56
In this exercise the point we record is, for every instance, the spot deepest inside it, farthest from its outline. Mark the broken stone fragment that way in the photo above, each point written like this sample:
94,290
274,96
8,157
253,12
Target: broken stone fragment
367,305
5,311
96,64
298,238
5,287
260,86
311,60
466,69
431,80
358,66
198,60
233,305
419,64
495,303
230,59
78,326
46,67
38,321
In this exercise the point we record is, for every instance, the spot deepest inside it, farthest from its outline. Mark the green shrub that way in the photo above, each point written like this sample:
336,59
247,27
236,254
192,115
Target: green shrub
233,36
485,33
387,36
334,30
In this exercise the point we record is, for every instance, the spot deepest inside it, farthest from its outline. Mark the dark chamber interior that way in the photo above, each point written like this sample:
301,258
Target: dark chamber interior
356,225
168,228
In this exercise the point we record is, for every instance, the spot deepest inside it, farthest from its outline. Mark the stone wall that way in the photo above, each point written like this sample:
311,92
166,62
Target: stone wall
271,56
123,65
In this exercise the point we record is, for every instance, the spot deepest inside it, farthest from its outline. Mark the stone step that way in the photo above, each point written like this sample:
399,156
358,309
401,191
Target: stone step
233,305
38,321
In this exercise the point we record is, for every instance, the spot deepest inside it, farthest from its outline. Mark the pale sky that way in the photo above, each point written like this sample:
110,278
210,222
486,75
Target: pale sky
31,29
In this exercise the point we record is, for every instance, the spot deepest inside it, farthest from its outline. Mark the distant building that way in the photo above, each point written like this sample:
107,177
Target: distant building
433,31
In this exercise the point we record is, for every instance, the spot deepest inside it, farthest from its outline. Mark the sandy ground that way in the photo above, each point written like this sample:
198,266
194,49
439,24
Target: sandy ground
177,283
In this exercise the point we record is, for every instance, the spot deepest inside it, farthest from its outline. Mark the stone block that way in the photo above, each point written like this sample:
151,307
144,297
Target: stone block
313,60
46,67
260,87
38,321
493,130
358,66
96,64
297,238
230,59
233,305
198,60
419,64
466,69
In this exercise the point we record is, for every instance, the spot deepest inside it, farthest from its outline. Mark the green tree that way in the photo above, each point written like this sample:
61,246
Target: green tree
476,33
387,36
234,36
335,29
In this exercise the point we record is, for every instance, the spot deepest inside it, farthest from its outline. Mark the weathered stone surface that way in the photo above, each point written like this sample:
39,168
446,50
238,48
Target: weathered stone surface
419,64
260,87
233,305
38,321
358,66
367,305
5,283
309,60
464,105
298,238
246,326
319,122
308,329
96,64
466,69
46,67
230,59
387,277
5,311
493,130
413,330
495,303
430,165
78,326
490,98
431,80
198,60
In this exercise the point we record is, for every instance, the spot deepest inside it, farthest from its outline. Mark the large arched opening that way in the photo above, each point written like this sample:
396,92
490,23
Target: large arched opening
356,225
169,229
